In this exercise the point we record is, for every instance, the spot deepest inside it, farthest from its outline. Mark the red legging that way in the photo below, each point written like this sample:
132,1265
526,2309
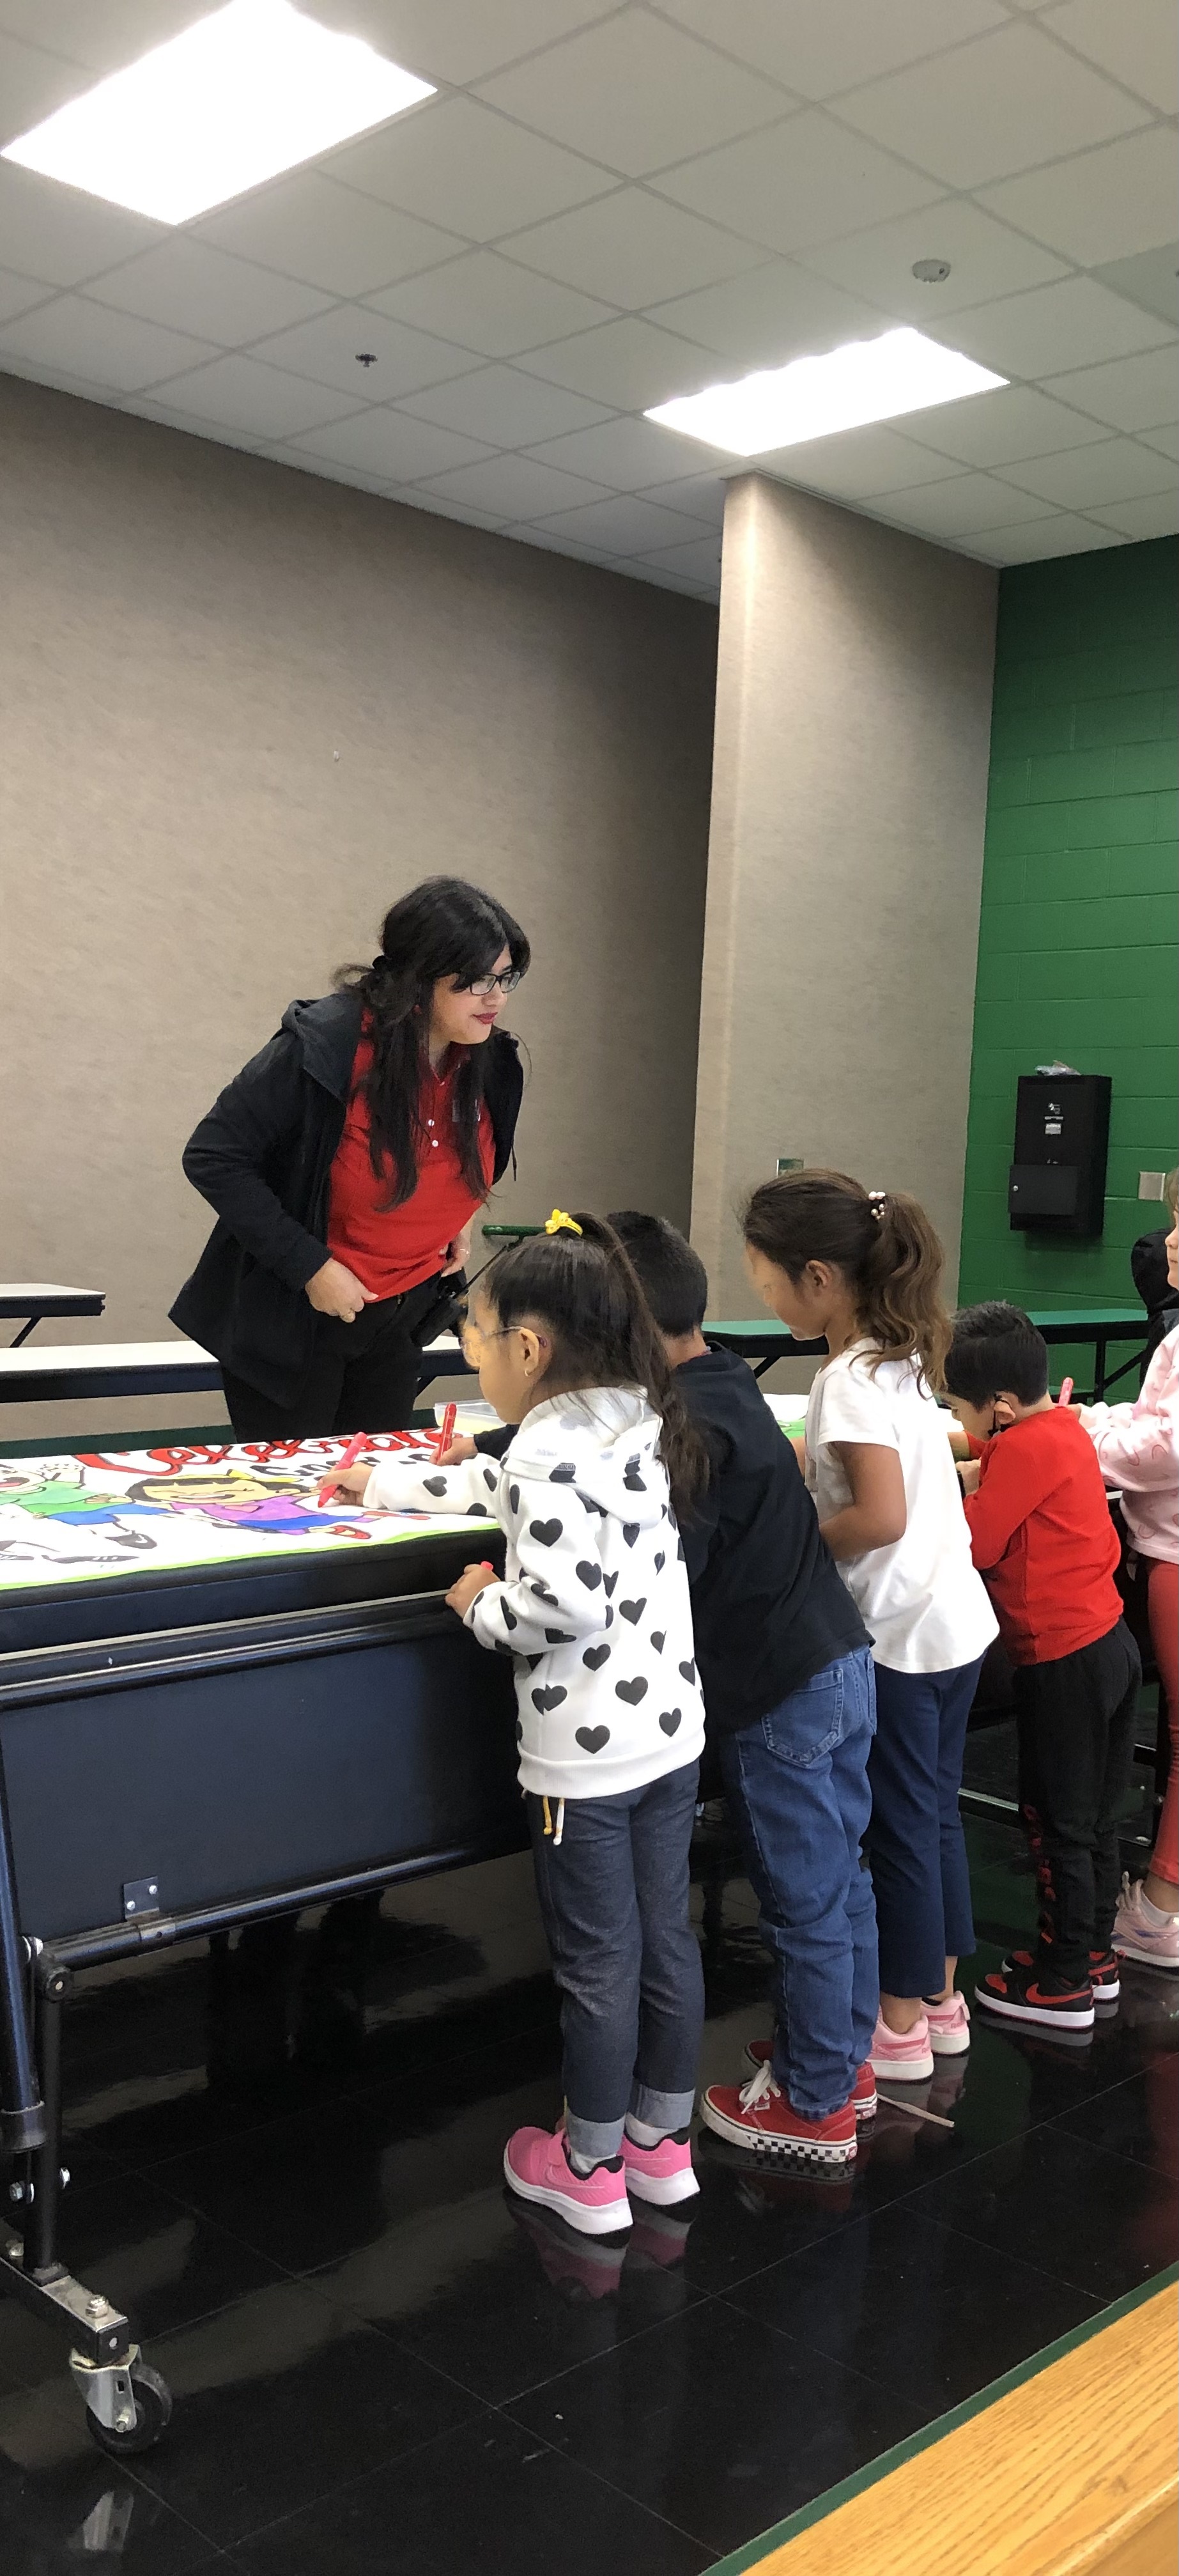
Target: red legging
1163,1607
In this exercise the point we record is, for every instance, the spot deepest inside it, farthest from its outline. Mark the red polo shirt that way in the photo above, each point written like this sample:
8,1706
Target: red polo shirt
392,1249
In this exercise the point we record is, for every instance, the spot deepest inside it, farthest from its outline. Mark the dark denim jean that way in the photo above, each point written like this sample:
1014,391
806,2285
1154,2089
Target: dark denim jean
614,1900
916,1845
798,1782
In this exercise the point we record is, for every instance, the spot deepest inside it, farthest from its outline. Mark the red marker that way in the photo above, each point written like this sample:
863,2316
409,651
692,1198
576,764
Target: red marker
1066,1393
358,1442
445,1432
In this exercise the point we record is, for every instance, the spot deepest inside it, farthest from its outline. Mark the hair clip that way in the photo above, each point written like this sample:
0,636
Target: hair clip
877,1202
559,1223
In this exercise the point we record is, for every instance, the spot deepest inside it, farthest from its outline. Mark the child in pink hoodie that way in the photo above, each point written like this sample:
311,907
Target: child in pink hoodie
1138,1449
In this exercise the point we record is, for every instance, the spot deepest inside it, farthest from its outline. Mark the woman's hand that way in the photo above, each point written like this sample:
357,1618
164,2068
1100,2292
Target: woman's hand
473,1580
458,1252
352,1481
335,1290
461,1448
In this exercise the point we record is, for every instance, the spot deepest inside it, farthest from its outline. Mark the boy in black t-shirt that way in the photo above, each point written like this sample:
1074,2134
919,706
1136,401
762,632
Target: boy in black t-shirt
786,1665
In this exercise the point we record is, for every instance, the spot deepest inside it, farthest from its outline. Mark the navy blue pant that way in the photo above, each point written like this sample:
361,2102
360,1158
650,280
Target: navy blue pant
798,1782
614,1900
915,1842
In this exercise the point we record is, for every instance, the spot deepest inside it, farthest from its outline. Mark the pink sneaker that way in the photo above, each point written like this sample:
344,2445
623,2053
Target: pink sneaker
1156,1944
949,2026
536,2164
664,2173
902,2057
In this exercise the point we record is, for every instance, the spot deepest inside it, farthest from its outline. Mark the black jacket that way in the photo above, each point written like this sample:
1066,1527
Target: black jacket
1148,1264
768,1605
262,1158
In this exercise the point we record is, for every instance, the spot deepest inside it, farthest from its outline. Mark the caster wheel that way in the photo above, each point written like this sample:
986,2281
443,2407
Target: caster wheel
153,2408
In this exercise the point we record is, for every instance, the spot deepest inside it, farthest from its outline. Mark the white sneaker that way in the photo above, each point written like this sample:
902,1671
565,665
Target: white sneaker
949,2026
1136,1937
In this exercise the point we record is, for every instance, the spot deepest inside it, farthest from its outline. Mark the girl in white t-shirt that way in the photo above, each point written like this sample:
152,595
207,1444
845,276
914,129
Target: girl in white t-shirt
863,1269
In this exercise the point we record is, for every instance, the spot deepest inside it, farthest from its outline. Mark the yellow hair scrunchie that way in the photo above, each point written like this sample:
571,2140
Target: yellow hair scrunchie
560,1223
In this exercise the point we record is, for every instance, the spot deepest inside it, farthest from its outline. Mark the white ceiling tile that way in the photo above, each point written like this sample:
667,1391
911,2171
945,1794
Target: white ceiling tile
1097,205
1087,477
241,394
386,442
635,93
986,259
1051,328
459,40
312,228
1164,441
1156,517
62,235
32,85
17,294
804,181
629,363
104,37
1140,393
1151,279
994,106
855,464
632,248
1001,427
505,407
699,561
515,487
627,454
820,49
459,164
1039,540
701,495
487,304
1135,40
772,313
37,373
958,508
329,350
623,525
192,287
111,349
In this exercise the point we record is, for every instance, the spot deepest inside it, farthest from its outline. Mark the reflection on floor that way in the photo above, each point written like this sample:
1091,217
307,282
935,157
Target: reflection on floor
285,2164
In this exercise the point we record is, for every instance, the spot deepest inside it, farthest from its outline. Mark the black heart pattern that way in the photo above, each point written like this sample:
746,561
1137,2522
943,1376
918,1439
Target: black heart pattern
660,1561
513,1498
689,1671
610,1581
632,1610
542,1591
631,1692
595,1656
560,1636
490,1479
670,1720
546,1533
519,1732
589,1505
590,1575
532,1661
631,1477
659,1639
508,1616
476,1512
562,1475
592,1738
435,1485
548,1697
630,1531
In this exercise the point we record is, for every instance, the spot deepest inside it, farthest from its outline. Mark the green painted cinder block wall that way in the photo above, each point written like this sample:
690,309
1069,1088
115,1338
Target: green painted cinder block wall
1077,938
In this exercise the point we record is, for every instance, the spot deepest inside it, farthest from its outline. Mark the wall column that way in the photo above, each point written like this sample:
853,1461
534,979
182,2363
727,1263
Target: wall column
845,861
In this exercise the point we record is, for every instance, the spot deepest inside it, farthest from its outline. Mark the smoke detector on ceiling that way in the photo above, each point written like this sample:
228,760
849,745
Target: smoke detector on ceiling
932,272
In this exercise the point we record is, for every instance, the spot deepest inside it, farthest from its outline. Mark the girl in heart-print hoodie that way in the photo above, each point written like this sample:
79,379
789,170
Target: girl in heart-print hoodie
594,1607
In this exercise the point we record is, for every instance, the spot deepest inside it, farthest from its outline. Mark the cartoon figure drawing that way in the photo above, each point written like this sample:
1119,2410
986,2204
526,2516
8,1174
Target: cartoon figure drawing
233,1499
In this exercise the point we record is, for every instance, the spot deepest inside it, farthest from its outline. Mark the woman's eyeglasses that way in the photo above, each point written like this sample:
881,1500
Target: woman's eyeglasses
483,986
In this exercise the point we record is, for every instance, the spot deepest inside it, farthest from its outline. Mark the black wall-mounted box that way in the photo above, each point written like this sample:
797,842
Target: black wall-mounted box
1057,1181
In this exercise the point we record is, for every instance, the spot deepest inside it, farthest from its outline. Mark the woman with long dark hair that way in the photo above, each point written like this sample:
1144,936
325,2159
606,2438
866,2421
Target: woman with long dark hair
346,1164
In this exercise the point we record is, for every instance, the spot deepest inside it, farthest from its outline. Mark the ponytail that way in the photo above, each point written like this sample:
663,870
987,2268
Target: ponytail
883,1243
583,1287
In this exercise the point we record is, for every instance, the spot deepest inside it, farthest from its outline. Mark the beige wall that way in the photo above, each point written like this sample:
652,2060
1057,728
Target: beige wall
845,861
244,709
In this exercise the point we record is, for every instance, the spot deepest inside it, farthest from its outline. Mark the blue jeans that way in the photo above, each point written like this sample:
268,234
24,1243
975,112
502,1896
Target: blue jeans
799,1784
915,1843
614,1901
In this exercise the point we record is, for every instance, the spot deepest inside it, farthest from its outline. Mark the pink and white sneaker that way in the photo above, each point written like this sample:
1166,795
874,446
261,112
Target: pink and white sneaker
536,2165
949,2026
662,2174
902,2057
1136,1937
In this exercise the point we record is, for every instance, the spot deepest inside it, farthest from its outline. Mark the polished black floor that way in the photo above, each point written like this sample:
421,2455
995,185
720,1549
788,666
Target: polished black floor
286,2166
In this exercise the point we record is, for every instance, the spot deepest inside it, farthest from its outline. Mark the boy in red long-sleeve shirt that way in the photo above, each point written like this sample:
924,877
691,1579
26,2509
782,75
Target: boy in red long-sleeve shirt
1042,1538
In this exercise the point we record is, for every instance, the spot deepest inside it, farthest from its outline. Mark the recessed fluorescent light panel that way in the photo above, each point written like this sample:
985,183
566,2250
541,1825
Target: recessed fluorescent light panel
866,380
249,91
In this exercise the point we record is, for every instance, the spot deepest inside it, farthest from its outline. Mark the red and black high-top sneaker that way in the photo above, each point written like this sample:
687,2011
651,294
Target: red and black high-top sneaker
1104,1972
1015,1993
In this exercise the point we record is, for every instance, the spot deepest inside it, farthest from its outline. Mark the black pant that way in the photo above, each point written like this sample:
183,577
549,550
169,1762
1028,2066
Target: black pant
363,1376
1076,1748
